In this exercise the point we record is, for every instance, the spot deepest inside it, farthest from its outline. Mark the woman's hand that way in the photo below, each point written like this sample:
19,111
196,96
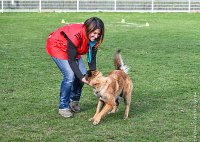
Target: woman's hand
84,80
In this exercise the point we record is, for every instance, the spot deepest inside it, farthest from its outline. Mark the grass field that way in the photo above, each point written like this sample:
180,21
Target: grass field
164,62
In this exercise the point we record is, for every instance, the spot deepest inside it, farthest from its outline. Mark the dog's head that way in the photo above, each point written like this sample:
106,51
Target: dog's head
91,74
97,81
94,78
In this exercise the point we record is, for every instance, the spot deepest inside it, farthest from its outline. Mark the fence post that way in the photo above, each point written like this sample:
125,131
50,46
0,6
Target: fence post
1,6
115,5
189,5
152,6
40,5
77,6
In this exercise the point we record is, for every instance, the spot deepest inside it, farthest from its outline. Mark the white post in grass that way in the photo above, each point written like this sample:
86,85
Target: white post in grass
77,6
152,6
115,5
1,6
189,5
40,5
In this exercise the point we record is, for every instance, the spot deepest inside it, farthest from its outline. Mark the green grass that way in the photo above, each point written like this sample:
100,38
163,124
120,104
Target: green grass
164,62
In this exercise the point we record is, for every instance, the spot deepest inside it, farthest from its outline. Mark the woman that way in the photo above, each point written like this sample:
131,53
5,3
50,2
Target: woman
65,46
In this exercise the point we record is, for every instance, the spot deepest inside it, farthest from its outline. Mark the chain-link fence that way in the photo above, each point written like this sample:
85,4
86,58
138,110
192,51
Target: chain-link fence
100,5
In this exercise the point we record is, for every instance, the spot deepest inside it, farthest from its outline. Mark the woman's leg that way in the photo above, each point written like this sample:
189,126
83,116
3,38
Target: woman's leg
66,84
77,88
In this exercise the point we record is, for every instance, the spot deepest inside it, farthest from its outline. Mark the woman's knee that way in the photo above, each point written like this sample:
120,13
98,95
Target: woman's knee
68,79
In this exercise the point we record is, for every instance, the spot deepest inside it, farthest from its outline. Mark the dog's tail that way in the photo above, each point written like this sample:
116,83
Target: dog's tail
118,62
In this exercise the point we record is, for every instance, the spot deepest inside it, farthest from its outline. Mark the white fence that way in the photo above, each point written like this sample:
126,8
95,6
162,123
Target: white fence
100,5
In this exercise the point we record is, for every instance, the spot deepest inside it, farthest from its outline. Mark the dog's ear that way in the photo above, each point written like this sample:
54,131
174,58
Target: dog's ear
89,73
95,73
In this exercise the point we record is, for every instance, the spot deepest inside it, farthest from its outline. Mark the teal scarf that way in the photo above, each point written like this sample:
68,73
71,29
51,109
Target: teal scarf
91,45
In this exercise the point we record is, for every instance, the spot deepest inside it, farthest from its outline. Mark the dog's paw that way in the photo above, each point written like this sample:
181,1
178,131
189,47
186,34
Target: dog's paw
95,122
91,119
113,111
125,117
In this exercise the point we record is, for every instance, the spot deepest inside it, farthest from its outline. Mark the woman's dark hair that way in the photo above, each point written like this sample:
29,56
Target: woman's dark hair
92,24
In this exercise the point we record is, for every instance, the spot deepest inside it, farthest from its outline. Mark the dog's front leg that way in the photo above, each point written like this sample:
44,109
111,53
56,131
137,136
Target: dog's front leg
98,109
98,117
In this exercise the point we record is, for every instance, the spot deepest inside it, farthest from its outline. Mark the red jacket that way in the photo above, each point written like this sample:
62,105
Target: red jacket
56,45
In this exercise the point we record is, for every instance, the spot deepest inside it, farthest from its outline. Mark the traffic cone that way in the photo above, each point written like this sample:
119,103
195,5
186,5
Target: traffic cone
62,21
123,21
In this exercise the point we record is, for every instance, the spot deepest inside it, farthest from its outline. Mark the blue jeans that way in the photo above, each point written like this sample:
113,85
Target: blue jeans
71,86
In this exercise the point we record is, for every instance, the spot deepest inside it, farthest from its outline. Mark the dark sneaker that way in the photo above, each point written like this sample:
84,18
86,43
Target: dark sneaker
75,107
65,113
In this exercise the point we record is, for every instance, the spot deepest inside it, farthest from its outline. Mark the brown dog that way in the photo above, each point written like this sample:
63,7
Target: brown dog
109,88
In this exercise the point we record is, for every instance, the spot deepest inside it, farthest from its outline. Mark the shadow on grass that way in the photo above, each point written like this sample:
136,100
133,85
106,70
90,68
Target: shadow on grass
143,104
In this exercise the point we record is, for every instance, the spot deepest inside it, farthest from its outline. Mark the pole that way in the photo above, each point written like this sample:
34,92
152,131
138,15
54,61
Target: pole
152,6
40,5
77,6
189,5
115,5
1,6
